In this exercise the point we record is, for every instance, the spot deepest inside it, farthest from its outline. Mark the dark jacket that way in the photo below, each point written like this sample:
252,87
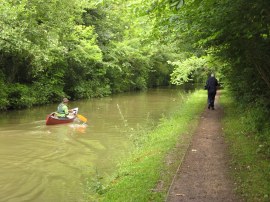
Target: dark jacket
211,84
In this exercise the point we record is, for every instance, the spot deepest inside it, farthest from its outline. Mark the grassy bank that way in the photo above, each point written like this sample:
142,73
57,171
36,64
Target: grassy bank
250,161
147,174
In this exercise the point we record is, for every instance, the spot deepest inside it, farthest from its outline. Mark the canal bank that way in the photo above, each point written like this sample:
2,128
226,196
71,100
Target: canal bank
146,175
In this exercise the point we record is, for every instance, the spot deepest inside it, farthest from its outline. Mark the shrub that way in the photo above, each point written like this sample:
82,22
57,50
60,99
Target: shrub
19,96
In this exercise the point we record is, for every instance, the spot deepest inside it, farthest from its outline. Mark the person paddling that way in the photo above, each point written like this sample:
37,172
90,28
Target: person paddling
62,109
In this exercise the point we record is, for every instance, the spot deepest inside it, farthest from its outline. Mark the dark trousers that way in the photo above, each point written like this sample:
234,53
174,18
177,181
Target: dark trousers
211,98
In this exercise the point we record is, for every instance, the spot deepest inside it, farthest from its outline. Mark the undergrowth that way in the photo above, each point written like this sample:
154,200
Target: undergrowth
248,134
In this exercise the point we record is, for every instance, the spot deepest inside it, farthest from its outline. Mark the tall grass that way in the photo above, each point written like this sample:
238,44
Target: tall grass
249,148
147,173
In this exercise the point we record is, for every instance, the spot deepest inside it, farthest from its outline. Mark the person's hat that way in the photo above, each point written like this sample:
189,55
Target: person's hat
65,100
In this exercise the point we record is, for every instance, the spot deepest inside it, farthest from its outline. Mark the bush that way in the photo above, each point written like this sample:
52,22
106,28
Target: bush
45,93
19,96
3,95
249,147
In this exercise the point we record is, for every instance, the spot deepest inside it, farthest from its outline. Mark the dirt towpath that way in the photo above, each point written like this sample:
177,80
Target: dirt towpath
203,175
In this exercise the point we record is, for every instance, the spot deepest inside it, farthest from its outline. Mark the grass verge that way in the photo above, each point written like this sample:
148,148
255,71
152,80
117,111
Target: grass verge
147,173
250,167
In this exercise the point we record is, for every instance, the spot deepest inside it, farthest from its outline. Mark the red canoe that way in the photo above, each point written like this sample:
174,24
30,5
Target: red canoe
53,120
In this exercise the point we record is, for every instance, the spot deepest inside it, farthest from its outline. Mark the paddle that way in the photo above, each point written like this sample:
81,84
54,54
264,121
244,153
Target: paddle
82,118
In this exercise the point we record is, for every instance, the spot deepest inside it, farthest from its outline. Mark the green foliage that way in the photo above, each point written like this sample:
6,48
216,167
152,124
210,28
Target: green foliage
256,121
160,69
108,24
247,131
127,67
79,49
195,69
257,124
3,93
82,45
237,33
47,90
88,89
185,69
37,47
19,96
35,30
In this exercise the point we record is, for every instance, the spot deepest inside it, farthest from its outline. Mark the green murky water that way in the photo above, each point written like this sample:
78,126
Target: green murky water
51,163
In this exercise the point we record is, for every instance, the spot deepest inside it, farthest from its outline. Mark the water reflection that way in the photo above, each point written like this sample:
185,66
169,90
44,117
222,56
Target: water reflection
50,163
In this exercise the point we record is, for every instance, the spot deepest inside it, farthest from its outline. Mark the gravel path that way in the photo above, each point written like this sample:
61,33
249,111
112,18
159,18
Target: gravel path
203,175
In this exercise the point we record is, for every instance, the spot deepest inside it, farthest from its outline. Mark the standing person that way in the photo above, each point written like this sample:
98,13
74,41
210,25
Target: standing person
62,109
211,87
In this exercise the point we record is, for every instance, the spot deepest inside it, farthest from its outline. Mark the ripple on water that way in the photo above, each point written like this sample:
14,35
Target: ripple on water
51,163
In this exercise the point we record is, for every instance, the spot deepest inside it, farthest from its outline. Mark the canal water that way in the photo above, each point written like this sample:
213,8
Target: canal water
56,163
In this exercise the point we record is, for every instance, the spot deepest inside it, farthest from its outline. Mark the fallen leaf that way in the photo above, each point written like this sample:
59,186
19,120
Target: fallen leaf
180,194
